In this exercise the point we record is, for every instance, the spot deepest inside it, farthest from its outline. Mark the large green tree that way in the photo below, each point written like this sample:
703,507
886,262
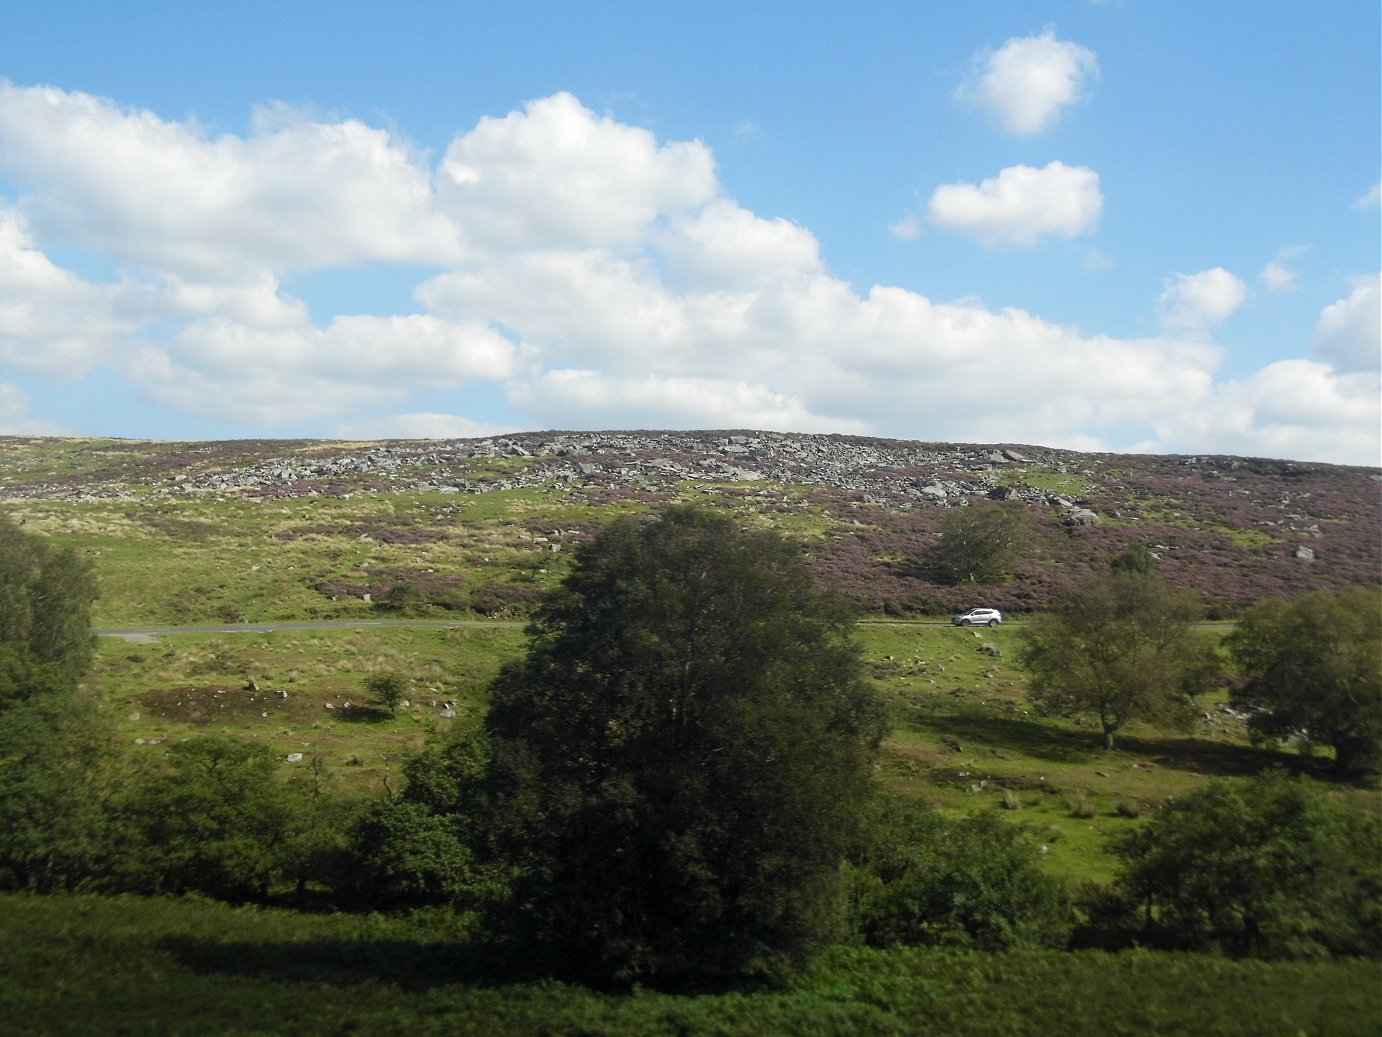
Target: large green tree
678,765
1312,669
1120,647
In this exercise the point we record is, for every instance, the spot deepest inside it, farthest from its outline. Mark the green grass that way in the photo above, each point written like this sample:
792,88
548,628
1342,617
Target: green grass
938,682
94,967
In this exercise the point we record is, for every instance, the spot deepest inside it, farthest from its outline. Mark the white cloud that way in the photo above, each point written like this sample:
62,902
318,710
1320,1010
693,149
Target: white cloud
52,321
218,368
296,194
1026,83
1021,205
1297,409
557,176
593,275
908,228
651,401
1198,302
1371,199
418,426
1349,333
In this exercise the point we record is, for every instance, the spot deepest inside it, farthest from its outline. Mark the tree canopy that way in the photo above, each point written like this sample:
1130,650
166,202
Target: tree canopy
678,765
1312,669
46,594
1267,868
979,544
1120,647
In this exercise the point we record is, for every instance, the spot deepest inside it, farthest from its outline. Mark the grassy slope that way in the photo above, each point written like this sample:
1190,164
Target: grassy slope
92,967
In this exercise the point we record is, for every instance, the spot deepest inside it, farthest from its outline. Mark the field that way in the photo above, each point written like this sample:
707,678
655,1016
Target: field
90,967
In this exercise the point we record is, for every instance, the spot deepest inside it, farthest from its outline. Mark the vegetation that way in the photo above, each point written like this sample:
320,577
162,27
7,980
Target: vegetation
1121,647
1268,869
82,966
243,765
1312,671
979,544
677,764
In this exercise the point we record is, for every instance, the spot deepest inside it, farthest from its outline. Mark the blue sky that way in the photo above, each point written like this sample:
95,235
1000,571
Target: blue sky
1142,225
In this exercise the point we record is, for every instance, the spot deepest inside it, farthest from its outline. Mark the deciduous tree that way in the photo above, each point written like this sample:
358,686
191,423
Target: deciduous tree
678,764
1120,647
1312,669
978,544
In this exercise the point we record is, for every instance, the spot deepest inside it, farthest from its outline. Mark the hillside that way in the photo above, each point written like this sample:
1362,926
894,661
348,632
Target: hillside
277,529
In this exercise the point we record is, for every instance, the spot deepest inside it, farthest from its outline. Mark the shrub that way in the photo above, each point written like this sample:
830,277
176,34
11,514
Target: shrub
1265,869
920,879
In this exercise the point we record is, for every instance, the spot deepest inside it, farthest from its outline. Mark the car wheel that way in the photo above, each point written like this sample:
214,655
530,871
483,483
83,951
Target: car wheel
993,622
964,622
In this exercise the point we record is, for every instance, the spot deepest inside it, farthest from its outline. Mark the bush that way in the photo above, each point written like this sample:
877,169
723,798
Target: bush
1267,869
920,879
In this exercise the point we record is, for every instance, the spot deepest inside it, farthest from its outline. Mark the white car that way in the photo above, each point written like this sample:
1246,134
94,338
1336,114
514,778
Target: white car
978,618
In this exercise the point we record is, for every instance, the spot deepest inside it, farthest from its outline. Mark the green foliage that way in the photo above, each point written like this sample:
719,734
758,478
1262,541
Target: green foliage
404,855
388,689
978,544
676,767
1312,669
46,595
1121,647
213,818
53,825
1267,869
921,879
150,967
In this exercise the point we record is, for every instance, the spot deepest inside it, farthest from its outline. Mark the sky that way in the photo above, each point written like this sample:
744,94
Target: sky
1106,225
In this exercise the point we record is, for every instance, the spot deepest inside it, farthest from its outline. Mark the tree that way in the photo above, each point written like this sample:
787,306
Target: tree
1313,669
51,759
921,879
214,818
677,766
388,689
1267,868
1121,647
978,544
46,594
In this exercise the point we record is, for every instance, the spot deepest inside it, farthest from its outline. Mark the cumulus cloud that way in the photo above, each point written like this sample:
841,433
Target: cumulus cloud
582,273
1349,333
296,194
14,415
1198,302
421,425
1026,83
52,321
1297,409
1021,205
1371,199
556,175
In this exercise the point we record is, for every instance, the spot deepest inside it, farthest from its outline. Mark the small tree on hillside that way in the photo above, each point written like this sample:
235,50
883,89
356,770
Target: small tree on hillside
978,544
1120,647
677,767
388,688
1313,670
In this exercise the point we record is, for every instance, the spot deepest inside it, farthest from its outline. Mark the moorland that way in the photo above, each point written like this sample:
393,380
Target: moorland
251,589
